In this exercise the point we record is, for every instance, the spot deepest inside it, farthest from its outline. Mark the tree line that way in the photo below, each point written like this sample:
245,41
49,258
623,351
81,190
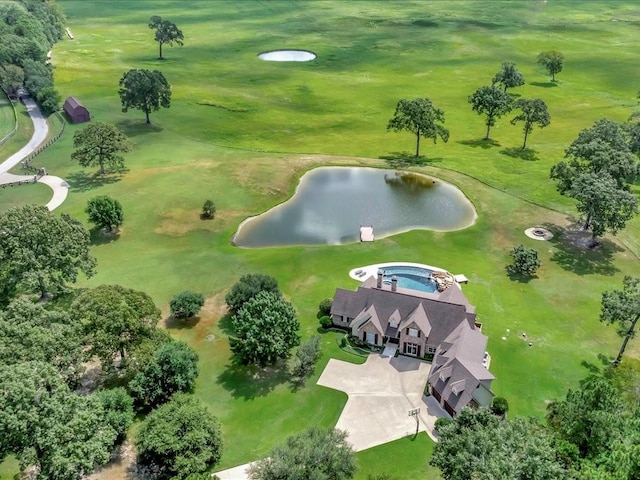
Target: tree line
28,30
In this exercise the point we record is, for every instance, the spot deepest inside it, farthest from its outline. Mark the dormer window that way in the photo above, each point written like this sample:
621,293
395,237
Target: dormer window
413,332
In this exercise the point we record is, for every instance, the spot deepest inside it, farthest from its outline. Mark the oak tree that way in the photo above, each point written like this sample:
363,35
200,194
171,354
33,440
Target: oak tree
552,61
420,117
265,330
173,369
100,144
508,76
622,308
532,112
491,102
144,90
603,205
105,212
179,438
186,304
601,148
248,287
166,32
41,251
116,320
319,454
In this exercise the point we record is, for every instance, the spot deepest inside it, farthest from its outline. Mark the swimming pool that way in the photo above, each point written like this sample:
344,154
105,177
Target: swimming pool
414,278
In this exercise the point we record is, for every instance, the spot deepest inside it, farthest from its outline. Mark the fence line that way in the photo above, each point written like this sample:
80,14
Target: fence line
26,163
15,119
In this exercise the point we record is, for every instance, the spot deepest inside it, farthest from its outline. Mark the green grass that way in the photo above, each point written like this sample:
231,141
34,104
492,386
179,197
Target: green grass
16,196
404,457
22,135
271,122
7,118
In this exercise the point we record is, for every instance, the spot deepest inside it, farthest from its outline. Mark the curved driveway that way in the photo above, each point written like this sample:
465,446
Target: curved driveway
40,130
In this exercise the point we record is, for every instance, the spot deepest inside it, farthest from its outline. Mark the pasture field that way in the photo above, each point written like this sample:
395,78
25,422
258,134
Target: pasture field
241,132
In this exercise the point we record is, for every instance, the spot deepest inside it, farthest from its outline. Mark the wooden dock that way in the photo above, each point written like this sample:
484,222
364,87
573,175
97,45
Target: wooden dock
366,233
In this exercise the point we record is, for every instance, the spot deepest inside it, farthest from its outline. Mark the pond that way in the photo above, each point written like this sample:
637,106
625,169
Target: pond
331,203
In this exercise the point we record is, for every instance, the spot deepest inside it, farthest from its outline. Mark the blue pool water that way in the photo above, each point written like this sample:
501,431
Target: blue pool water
414,278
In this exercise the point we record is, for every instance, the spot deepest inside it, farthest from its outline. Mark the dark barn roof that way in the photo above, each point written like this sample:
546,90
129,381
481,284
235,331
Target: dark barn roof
76,111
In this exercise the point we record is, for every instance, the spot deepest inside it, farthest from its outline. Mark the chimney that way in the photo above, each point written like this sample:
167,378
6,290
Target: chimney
394,283
379,283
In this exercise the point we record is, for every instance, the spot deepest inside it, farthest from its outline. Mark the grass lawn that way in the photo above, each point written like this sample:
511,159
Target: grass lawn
7,118
22,194
22,135
241,132
407,454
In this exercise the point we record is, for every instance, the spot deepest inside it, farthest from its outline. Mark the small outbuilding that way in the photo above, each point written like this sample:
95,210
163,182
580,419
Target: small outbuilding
76,112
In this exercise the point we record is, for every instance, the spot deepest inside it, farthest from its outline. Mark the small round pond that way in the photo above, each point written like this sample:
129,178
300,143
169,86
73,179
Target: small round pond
331,203
287,56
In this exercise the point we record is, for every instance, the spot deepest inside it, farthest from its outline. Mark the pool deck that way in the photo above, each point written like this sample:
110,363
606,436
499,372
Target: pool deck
362,273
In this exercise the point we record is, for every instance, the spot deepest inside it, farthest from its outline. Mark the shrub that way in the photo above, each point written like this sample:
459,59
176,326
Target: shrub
325,306
441,422
306,357
499,406
208,209
525,261
325,321
186,304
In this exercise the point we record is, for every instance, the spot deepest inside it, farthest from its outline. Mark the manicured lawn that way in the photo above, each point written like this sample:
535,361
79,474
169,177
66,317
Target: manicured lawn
7,119
22,135
406,456
283,119
22,194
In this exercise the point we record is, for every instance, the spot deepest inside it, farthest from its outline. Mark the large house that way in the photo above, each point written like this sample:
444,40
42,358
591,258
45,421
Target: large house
441,324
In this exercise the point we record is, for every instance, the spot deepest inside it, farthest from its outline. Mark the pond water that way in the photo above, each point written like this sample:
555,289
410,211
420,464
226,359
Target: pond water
331,203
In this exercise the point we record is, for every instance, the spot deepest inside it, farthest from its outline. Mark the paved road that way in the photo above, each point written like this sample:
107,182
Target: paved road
40,130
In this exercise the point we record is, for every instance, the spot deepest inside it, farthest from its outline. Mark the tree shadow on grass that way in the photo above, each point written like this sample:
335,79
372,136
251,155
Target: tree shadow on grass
521,277
484,143
83,182
574,254
544,84
528,154
403,159
173,323
226,325
138,126
249,381
98,236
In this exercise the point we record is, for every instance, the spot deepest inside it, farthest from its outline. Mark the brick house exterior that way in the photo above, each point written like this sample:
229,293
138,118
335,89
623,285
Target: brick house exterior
441,324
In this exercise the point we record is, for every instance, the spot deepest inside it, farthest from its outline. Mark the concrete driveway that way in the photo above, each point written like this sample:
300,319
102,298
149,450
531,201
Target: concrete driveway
381,393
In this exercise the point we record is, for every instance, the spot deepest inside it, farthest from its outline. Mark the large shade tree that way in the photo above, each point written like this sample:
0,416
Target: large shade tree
144,90
601,148
491,102
173,369
420,117
28,331
248,287
315,454
100,144
480,445
116,320
622,309
532,112
44,424
166,32
179,439
265,330
603,205
40,251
